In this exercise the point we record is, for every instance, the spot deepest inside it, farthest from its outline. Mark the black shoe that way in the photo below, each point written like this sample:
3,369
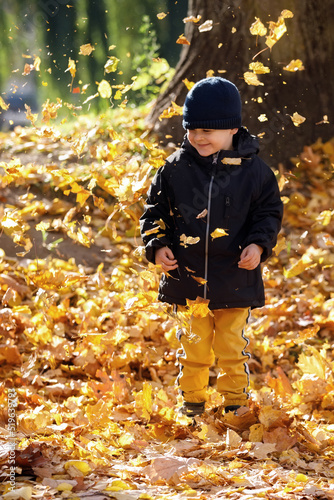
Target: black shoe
192,409
232,408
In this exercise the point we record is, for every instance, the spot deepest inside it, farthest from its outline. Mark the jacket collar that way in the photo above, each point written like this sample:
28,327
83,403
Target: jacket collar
245,145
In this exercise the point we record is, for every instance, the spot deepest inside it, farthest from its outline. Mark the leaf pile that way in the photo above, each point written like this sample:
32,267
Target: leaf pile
91,354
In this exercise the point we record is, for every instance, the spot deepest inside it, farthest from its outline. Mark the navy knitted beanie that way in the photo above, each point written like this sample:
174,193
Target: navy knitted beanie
212,103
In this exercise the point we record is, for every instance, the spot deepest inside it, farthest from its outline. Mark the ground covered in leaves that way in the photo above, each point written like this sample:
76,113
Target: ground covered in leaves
88,356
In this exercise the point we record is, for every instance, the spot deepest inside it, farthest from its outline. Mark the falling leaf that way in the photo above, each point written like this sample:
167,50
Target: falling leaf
202,214
111,65
277,29
182,40
192,19
218,233
252,79
258,28
206,26
71,67
161,15
297,119
3,105
199,280
294,65
198,308
188,240
304,263
280,245
30,116
86,49
262,118
188,84
286,14
104,89
259,68
173,110
325,217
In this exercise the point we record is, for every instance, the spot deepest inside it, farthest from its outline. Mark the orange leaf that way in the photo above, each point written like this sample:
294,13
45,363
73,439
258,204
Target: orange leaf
182,40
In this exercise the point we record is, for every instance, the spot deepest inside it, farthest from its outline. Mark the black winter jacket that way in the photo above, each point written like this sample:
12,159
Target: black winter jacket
192,196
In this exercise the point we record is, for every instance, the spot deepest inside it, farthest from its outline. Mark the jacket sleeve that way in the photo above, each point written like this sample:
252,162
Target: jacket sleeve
266,215
157,223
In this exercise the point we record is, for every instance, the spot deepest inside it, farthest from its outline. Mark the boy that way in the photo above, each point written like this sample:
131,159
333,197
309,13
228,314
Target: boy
214,181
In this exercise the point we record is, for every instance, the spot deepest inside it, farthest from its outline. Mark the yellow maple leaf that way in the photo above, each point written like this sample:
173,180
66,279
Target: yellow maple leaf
218,233
297,119
294,65
259,68
199,280
173,110
313,365
202,214
188,240
161,15
286,14
54,279
278,29
144,401
30,116
280,245
82,467
37,63
304,263
206,26
111,65
188,84
198,308
71,67
252,79
182,40
86,49
104,89
258,28
3,105
192,19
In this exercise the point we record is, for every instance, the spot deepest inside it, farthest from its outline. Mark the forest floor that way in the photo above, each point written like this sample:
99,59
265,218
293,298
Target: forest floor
88,355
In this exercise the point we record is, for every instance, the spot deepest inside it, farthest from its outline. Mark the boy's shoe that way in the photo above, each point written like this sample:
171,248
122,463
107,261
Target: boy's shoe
237,410
232,408
192,409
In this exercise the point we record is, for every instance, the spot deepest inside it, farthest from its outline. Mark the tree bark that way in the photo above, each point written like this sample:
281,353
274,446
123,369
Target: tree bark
228,49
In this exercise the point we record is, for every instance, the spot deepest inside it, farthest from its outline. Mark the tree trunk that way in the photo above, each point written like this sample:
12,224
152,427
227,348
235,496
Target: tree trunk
229,47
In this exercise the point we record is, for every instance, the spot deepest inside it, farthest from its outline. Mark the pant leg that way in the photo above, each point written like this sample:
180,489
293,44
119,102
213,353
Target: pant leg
229,347
195,359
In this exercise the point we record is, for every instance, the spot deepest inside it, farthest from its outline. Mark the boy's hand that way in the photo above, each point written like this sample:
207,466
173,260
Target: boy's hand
164,257
250,257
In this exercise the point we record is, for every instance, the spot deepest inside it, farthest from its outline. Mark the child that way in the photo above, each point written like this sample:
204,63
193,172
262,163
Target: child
214,181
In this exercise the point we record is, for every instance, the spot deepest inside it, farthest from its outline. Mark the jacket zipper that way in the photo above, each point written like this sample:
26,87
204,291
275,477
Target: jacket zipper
207,233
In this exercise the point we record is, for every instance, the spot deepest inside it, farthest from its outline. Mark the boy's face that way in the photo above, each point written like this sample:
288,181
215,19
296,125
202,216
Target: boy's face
209,141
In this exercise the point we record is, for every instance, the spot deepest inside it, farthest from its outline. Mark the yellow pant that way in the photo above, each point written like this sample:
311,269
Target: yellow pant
218,336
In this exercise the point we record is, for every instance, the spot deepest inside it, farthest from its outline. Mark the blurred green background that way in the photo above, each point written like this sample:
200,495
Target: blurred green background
54,30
